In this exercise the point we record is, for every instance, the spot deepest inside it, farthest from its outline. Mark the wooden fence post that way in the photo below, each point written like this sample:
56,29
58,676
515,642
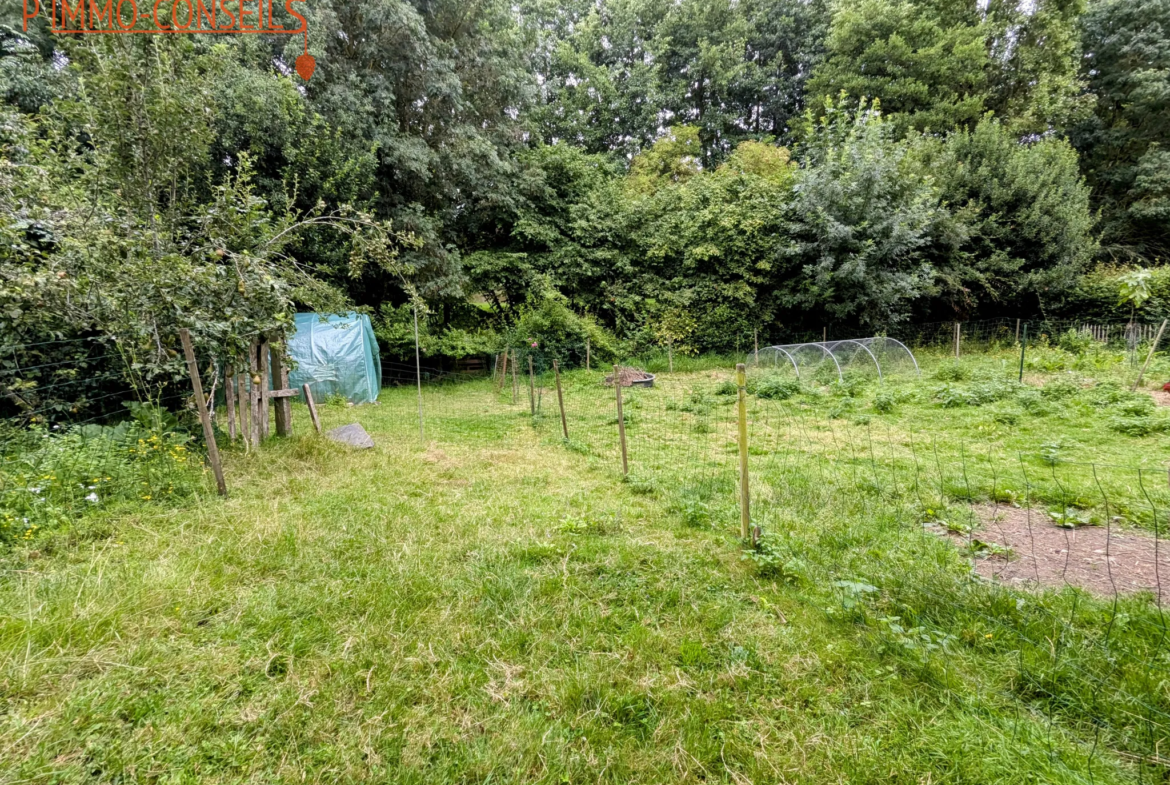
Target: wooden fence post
1150,356
617,384
229,394
312,408
515,383
1017,330
531,387
254,395
958,332
561,400
265,367
756,341
1023,349
244,411
503,372
282,406
745,517
204,417
587,354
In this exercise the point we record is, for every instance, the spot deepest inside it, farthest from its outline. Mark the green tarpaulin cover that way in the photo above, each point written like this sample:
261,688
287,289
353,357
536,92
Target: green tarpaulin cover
337,355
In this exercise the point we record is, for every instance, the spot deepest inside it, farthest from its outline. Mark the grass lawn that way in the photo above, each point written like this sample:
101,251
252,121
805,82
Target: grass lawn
497,605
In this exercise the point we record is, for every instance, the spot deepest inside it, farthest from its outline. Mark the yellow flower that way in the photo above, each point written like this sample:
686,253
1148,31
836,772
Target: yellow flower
146,497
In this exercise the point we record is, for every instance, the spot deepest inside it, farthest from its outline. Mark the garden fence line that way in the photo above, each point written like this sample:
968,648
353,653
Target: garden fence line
1019,520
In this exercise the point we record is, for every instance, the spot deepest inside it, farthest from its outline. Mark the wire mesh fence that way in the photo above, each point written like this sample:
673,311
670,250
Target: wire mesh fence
1021,581
1009,579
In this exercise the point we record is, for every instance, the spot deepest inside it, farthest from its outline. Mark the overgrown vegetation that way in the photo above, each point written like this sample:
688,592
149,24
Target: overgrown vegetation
498,578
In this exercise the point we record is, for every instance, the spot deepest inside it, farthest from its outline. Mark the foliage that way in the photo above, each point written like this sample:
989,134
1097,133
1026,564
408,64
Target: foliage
50,477
777,387
927,73
1019,226
1099,295
549,330
1124,142
941,65
672,159
772,560
860,225
1135,288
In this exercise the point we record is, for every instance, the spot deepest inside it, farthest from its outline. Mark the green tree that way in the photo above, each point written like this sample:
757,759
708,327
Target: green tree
1020,229
860,227
928,73
1125,143
941,64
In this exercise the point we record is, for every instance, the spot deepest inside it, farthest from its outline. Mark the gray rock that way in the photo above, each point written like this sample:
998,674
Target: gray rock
353,434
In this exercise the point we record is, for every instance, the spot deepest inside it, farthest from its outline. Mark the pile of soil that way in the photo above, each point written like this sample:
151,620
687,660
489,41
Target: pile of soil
627,377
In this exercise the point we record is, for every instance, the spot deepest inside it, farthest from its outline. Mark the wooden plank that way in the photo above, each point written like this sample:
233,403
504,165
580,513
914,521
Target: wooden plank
254,393
531,387
282,409
204,417
312,409
244,413
515,384
265,423
229,394
283,395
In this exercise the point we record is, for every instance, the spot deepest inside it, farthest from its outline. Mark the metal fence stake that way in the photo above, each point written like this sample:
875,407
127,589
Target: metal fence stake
745,529
617,384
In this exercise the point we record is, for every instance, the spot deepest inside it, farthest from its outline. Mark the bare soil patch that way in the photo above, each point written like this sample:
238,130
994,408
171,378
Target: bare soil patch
1161,397
1100,559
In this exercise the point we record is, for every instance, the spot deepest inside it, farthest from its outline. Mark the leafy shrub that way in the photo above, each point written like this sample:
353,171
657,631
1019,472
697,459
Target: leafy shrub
951,371
61,476
698,403
727,387
696,513
850,386
1049,359
1032,402
1075,342
1138,425
1106,393
772,562
951,397
842,408
991,391
775,387
549,330
884,402
1060,389
1135,405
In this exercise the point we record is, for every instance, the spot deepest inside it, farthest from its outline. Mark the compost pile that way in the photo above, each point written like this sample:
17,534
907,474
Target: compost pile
627,377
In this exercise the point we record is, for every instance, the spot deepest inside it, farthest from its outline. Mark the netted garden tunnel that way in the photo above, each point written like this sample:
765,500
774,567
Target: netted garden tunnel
833,359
